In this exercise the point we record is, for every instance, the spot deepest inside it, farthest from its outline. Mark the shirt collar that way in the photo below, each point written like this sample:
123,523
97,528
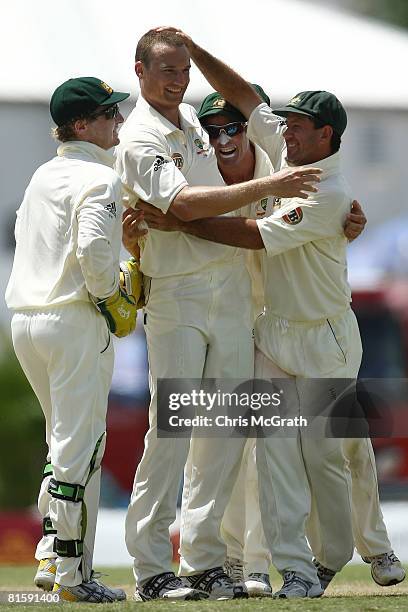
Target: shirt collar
86,150
187,118
328,165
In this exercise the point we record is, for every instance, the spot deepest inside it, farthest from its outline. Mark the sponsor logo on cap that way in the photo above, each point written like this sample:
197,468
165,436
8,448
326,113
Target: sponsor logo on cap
106,87
178,160
294,101
293,217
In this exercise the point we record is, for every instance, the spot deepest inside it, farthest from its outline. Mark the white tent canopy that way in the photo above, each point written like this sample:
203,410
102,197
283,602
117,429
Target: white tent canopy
285,45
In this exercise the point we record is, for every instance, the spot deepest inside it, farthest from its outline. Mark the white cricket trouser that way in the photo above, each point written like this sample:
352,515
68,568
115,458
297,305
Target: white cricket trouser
198,325
291,470
67,355
243,532
241,527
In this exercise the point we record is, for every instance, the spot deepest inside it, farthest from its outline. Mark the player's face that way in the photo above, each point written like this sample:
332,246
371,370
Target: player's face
303,140
230,150
103,130
164,81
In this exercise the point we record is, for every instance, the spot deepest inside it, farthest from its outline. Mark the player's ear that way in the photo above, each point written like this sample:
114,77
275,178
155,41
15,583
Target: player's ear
326,133
80,125
139,69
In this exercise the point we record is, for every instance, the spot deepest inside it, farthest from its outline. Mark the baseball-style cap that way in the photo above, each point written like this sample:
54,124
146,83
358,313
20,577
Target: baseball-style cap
81,96
321,105
215,104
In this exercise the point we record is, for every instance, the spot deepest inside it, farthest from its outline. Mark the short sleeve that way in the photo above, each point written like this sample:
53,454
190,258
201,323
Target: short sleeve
146,168
304,221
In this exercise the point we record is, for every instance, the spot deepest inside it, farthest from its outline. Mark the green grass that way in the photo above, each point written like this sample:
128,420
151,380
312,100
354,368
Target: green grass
352,591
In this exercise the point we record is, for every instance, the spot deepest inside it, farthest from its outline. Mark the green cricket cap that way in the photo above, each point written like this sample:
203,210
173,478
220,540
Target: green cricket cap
80,97
215,104
321,105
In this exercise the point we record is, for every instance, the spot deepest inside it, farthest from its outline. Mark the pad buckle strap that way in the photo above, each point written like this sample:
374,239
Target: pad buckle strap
48,527
68,548
66,491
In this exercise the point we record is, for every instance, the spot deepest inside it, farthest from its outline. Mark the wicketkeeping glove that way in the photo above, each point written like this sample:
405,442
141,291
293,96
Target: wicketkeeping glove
120,312
131,280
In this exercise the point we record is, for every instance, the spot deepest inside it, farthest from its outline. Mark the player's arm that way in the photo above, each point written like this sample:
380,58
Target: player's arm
146,168
221,77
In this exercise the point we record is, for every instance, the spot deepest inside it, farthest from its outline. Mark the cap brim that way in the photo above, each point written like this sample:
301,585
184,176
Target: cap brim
285,110
115,98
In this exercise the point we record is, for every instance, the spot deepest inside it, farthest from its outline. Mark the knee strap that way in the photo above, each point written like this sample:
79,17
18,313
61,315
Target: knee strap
66,490
47,470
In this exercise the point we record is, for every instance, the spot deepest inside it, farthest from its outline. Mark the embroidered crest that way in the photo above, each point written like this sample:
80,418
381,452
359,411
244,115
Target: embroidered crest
277,203
106,87
219,103
294,101
199,143
294,216
178,160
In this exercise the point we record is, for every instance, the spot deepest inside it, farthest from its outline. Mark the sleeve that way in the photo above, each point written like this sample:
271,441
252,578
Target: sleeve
322,216
266,130
146,168
98,216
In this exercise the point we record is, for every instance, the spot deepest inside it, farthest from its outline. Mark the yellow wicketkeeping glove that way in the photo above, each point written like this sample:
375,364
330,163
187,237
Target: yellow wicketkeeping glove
131,281
120,312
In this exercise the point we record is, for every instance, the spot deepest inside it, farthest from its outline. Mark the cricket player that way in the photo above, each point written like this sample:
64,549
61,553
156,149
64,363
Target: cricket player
307,330
248,556
165,158
66,300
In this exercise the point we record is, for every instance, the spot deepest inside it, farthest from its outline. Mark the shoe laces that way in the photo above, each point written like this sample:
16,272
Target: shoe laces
291,578
385,560
234,568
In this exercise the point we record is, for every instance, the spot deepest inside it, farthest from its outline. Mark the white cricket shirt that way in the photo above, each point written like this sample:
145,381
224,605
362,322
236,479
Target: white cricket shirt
68,230
155,160
304,267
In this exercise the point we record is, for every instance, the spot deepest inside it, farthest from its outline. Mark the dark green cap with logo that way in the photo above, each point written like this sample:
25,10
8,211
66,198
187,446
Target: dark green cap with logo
80,97
215,104
321,105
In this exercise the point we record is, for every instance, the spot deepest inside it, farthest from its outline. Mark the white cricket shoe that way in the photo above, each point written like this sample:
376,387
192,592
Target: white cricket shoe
295,586
216,584
45,576
258,585
386,569
91,592
324,574
167,586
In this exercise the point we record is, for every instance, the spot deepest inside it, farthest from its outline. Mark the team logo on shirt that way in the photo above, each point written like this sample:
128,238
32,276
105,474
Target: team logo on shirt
277,203
111,208
159,162
294,216
199,143
178,160
261,207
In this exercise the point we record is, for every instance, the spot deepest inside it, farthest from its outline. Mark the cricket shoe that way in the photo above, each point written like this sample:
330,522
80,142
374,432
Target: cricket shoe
324,574
45,576
295,586
92,591
386,569
216,584
167,586
234,568
258,585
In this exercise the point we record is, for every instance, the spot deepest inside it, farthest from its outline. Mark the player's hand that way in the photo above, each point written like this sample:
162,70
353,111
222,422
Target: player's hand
296,182
355,222
133,227
185,38
155,219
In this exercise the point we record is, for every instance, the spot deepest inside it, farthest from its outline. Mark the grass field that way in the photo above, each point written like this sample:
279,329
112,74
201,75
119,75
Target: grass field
352,591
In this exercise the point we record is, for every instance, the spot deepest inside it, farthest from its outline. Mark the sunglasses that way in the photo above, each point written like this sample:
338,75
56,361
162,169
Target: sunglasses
110,113
230,129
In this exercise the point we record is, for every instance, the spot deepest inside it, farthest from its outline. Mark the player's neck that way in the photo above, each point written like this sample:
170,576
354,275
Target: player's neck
239,173
171,114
